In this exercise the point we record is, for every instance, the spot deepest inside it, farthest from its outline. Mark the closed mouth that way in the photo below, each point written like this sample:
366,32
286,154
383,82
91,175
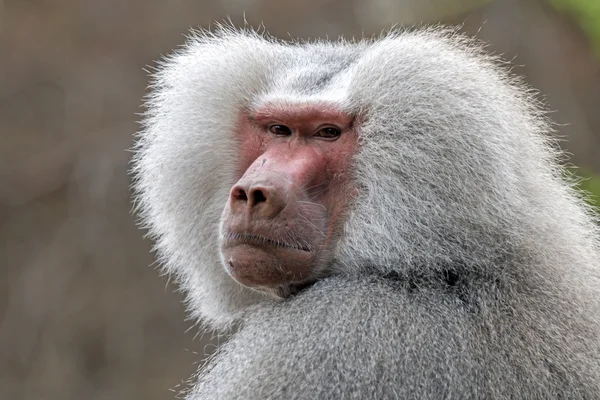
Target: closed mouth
252,239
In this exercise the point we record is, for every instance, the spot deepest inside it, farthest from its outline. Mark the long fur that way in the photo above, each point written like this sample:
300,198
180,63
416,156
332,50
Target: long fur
468,266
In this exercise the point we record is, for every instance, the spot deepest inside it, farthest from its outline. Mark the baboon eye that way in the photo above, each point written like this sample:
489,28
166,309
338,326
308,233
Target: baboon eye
280,130
328,132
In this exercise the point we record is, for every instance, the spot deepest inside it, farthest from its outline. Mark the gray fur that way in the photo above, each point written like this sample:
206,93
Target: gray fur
467,268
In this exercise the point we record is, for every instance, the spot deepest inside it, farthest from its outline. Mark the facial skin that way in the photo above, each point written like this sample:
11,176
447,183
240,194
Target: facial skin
283,215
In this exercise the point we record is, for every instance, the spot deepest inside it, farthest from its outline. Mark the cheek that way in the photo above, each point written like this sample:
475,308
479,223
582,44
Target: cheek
342,188
251,145
246,158
339,172
338,202
340,157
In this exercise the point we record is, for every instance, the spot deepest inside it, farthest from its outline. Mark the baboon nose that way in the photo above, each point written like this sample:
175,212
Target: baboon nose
261,200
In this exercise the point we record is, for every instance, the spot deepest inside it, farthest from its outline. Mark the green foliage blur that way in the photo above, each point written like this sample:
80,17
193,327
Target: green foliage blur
587,14
590,184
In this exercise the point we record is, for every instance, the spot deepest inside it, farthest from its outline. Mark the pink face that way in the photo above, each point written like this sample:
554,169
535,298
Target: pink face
284,213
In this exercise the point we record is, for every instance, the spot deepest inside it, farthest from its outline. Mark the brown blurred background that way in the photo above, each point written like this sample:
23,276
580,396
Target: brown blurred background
83,315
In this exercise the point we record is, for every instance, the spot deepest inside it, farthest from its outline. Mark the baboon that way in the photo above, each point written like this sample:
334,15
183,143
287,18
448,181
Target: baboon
383,219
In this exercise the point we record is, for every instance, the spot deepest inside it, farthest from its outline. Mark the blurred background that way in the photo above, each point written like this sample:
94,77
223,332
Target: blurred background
83,314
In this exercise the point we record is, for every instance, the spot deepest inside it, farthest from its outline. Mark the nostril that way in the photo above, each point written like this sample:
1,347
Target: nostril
257,200
258,196
239,194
